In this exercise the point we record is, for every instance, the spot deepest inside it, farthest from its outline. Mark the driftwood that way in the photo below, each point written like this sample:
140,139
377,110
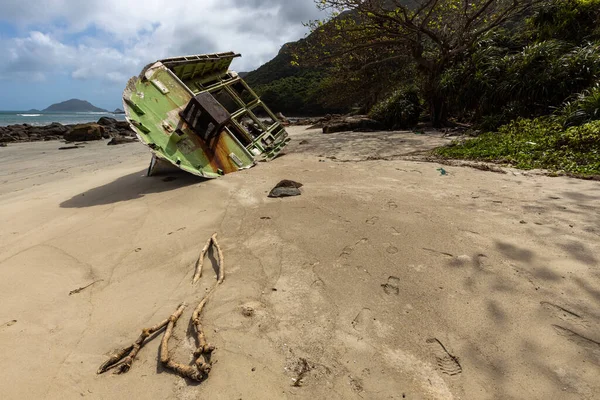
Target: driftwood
221,262
202,364
187,371
124,357
200,261
203,349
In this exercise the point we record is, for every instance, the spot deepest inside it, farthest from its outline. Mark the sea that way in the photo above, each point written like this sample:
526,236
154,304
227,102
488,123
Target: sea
46,118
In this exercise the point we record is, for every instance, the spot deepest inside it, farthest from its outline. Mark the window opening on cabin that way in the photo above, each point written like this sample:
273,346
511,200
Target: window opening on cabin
210,83
250,125
243,92
243,138
263,116
227,100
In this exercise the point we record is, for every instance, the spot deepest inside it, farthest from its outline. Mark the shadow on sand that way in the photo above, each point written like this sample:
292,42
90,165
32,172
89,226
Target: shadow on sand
132,186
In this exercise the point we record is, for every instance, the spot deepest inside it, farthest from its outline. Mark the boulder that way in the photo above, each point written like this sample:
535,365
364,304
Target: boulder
5,138
286,188
114,128
124,129
85,132
107,121
54,131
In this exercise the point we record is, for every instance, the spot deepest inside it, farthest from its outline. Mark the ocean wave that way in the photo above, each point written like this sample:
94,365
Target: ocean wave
29,115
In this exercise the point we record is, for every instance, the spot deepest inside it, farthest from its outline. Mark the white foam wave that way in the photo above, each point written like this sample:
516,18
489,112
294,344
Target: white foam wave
29,115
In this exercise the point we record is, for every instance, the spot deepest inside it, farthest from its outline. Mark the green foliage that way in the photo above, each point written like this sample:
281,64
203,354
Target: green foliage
585,107
571,20
499,83
294,95
401,110
527,69
536,143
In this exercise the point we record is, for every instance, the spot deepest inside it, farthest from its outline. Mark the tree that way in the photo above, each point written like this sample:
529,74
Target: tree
434,34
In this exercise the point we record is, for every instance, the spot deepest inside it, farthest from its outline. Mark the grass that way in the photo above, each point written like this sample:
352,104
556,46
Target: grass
535,143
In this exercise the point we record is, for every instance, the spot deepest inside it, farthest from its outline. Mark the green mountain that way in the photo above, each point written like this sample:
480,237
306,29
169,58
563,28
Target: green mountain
287,88
74,105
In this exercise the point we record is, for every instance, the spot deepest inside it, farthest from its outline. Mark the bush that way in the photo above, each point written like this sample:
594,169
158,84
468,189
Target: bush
573,20
585,107
399,111
536,143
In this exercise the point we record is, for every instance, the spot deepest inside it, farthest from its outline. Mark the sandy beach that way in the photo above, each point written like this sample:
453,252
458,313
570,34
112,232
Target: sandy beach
384,280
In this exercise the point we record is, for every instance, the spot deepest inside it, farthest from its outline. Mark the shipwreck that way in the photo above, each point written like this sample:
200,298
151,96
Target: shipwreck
194,113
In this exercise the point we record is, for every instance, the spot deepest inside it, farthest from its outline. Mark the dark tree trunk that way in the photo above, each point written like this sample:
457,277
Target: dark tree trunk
438,110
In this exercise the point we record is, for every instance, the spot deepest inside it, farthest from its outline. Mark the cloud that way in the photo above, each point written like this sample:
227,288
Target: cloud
113,39
40,55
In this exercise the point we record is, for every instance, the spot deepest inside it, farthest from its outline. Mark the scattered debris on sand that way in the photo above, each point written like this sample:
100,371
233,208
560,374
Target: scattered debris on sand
301,368
353,123
78,290
121,140
70,147
9,323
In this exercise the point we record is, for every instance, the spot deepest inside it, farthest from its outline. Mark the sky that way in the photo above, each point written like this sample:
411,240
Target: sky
55,50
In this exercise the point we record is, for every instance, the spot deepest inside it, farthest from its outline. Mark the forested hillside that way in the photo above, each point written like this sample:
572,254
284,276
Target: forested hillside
489,64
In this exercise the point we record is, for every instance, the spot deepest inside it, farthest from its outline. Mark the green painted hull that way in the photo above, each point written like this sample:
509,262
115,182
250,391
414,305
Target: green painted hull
156,103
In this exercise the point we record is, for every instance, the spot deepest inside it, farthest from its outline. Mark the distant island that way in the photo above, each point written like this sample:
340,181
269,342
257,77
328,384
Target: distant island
34,110
118,111
74,105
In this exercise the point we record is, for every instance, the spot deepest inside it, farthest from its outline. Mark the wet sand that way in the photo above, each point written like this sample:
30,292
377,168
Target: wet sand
384,280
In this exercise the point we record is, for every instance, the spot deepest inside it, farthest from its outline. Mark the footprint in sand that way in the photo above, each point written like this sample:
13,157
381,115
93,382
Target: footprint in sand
446,362
392,249
372,221
392,286
348,250
362,320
